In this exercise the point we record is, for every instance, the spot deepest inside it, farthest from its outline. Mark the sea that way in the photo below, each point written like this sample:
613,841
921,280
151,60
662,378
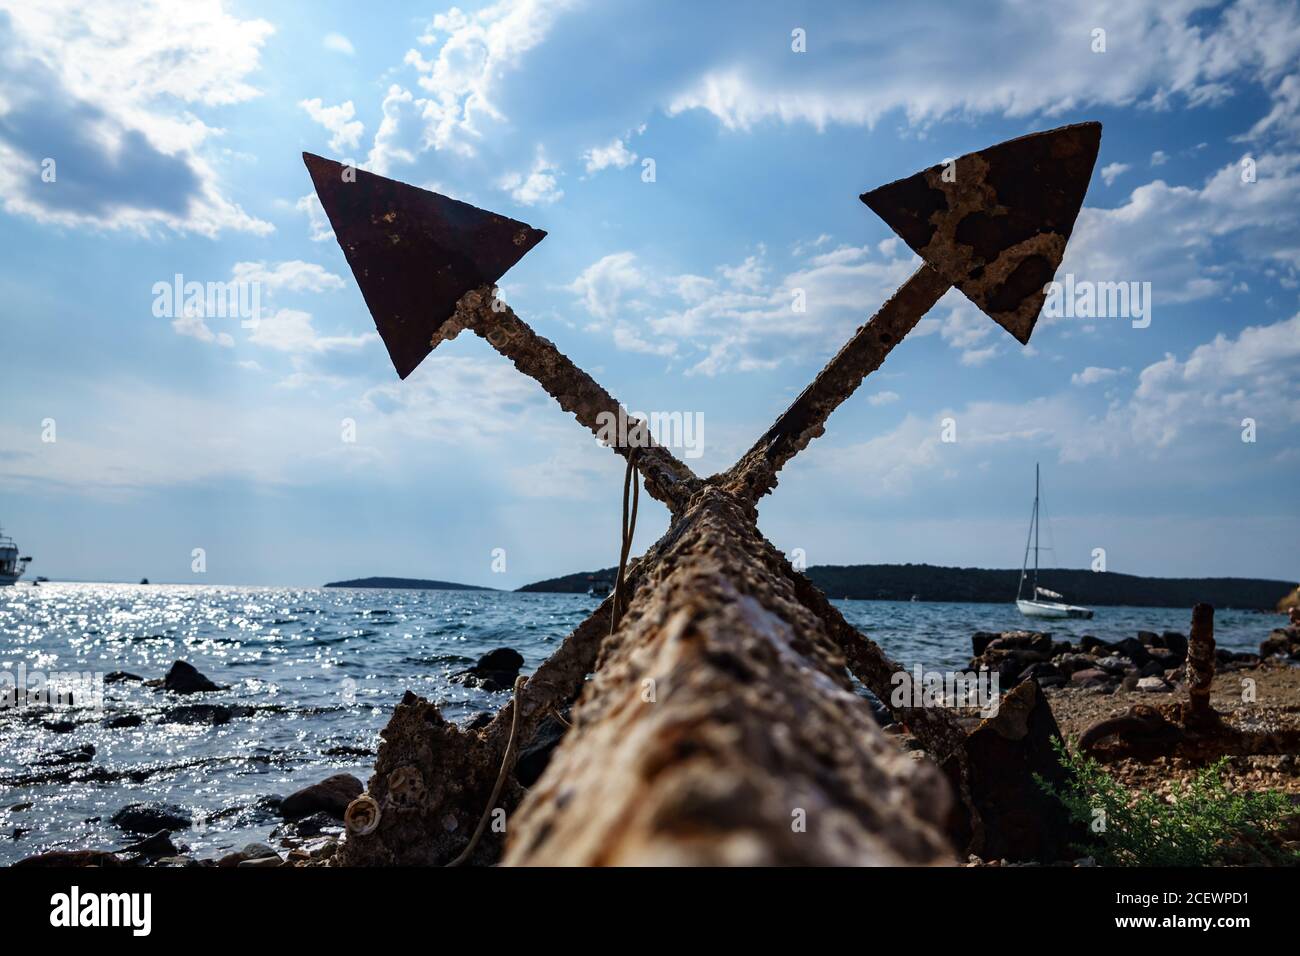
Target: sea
312,675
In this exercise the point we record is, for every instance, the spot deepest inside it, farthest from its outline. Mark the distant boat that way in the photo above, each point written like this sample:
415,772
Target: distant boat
600,589
1035,606
11,565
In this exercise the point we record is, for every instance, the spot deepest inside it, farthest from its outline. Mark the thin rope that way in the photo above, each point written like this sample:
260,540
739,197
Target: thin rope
506,762
631,482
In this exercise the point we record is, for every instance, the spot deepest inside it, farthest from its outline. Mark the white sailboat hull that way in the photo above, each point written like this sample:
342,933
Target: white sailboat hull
1052,609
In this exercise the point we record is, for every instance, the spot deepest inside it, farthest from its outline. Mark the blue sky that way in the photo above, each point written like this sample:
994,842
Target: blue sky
176,131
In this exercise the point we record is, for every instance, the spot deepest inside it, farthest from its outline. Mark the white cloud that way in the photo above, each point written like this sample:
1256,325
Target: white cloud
1208,394
1159,158
195,327
1112,171
291,330
391,143
614,154
338,43
978,357
1251,375
1092,375
604,284
318,223
472,53
340,121
291,276
1190,243
883,398
1045,64
111,93
536,187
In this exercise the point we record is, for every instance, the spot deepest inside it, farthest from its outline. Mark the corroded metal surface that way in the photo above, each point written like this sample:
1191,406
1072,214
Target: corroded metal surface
755,474
721,729
666,478
996,226
751,719
997,231
1200,659
414,253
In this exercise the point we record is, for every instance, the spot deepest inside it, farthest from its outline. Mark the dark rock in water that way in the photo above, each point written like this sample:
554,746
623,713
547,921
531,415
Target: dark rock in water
1090,644
72,858
314,824
495,670
1005,754
980,640
532,759
82,754
59,726
252,851
1152,668
1284,641
122,721
152,847
213,714
1149,639
118,677
1114,664
1067,664
345,751
1047,675
479,720
151,817
174,862
262,810
1010,653
1175,642
1036,641
1133,649
332,795
184,678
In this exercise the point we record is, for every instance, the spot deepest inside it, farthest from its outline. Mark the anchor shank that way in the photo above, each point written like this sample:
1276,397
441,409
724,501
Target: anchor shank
666,478
755,474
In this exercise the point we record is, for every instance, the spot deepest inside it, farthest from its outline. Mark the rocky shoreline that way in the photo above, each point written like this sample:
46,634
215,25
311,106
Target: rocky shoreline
1085,681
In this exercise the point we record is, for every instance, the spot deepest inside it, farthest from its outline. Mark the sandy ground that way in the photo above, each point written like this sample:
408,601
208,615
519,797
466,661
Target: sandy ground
1276,704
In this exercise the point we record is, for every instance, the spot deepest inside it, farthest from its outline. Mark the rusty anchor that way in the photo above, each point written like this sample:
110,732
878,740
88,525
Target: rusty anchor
755,714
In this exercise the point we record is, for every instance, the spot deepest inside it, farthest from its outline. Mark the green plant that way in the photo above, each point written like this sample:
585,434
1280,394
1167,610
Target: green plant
1202,823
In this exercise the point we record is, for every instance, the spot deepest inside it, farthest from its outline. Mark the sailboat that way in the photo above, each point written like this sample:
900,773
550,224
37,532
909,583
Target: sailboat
1035,605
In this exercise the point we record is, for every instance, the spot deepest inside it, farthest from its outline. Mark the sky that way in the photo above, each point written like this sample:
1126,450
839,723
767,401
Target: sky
695,166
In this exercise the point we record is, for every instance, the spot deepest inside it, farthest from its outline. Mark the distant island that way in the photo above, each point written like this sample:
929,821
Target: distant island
412,583
574,583
926,582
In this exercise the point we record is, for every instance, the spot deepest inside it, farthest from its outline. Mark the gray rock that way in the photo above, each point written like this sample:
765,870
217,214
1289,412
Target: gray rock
214,715
152,817
332,795
184,678
1114,664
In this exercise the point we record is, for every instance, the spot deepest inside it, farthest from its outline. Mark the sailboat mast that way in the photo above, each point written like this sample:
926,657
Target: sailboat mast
1029,537
1035,531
